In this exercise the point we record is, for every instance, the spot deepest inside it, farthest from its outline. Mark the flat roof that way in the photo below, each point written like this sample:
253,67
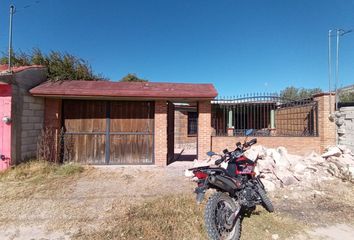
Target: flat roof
110,89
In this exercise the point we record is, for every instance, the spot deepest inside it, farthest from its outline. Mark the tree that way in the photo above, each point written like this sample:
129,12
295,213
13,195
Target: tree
60,66
293,93
346,97
132,78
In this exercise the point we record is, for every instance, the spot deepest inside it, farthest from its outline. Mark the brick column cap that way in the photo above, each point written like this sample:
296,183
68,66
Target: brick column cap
324,94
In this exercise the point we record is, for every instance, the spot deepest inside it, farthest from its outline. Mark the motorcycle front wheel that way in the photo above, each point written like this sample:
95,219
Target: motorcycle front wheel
266,203
218,210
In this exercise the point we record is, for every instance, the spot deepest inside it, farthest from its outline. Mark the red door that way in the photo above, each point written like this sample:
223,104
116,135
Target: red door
5,126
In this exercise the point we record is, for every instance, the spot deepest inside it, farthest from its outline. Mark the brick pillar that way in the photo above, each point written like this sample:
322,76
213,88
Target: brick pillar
160,150
326,127
204,128
52,123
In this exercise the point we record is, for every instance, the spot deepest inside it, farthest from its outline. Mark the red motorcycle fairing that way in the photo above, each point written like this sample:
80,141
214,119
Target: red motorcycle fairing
245,166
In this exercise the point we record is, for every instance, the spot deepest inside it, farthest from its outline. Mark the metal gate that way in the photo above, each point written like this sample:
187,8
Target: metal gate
108,132
5,126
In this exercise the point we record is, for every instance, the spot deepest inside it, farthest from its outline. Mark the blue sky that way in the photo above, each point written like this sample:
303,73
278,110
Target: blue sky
240,46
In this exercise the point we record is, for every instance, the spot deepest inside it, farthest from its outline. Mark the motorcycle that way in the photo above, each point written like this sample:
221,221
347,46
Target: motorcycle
238,191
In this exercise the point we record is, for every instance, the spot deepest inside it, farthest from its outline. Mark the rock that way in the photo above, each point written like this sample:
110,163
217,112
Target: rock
251,154
280,159
351,170
265,166
348,157
283,152
332,151
333,169
273,154
299,168
275,236
314,158
344,149
288,180
269,185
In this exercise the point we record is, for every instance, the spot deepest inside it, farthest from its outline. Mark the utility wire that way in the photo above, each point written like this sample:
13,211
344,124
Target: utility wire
22,8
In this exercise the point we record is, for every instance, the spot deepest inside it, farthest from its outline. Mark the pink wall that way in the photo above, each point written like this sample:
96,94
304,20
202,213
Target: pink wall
5,129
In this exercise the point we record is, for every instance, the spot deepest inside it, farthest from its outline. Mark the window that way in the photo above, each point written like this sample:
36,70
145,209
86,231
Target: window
192,123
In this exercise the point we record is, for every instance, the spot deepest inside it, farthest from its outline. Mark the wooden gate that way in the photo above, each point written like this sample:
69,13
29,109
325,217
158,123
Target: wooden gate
108,132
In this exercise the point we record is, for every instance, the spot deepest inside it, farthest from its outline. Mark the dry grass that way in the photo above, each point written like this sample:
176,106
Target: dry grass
170,217
262,225
38,171
38,178
179,217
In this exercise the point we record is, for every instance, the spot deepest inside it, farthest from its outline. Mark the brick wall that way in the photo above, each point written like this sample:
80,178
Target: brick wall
204,128
295,145
181,130
160,151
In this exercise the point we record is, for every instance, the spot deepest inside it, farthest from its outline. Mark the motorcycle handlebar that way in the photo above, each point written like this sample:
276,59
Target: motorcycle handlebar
250,143
219,161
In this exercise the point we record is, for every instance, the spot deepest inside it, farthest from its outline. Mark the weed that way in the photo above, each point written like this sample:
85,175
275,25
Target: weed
37,171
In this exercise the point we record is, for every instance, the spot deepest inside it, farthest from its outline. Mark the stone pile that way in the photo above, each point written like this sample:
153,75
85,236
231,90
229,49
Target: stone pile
280,169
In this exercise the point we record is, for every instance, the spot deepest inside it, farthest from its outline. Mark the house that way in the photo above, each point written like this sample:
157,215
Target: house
141,123
104,122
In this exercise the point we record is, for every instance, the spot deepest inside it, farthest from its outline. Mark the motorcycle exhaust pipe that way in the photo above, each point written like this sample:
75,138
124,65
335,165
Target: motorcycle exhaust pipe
223,183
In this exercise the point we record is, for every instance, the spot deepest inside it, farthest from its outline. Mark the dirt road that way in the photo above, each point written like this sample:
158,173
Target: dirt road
105,197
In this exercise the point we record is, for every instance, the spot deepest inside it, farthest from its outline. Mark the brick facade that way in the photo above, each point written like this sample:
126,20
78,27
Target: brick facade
205,143
204,128
181,130
295,145
160,131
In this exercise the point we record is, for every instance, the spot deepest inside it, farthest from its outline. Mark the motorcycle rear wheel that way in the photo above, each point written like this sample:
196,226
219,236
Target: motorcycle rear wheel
219,207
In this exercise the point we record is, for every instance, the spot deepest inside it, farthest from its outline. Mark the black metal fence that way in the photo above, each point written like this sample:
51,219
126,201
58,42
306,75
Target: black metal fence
266,114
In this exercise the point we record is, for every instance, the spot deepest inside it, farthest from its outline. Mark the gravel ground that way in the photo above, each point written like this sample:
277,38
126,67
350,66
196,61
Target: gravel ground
57,210
64,207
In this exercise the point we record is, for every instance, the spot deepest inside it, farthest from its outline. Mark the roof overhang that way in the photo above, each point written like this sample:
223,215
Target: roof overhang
125,91
180,100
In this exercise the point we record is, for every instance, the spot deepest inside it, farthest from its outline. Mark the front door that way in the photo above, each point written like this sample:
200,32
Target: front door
5,126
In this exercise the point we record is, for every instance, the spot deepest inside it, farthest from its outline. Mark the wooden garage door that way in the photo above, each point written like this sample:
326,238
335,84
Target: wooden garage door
108,132
131,132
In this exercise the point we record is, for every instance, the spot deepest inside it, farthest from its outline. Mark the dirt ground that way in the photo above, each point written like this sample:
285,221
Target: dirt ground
82,205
